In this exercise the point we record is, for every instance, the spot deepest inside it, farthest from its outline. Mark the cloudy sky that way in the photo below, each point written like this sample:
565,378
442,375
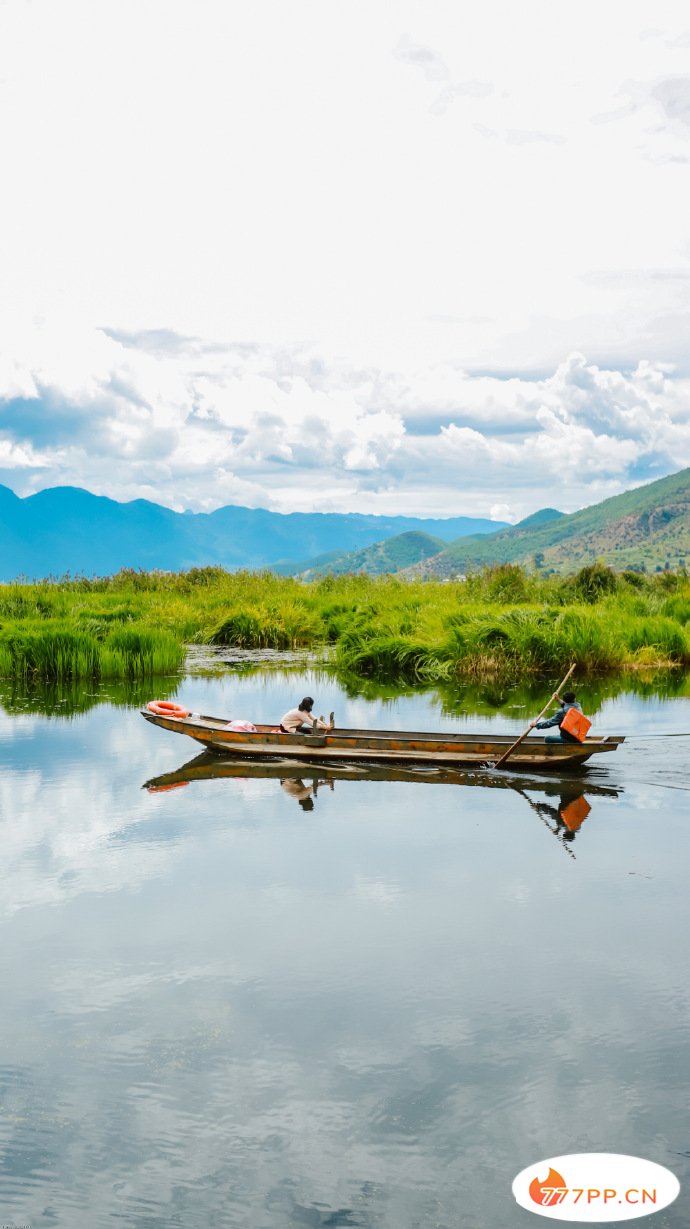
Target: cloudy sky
422,258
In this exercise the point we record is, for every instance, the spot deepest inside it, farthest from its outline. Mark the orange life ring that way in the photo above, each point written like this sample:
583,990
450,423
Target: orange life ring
167,708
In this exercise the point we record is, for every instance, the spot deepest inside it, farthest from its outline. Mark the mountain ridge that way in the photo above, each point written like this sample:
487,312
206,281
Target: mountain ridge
387,557
63,530
645,527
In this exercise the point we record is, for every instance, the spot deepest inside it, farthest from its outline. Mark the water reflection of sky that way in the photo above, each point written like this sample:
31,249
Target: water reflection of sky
221,1009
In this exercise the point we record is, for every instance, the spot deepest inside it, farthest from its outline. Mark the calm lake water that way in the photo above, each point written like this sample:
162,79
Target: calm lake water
241,1002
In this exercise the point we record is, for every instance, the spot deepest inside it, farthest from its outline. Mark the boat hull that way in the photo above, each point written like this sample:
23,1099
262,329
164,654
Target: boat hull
381,746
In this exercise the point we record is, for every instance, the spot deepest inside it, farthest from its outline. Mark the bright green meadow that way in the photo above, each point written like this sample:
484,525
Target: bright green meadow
136,624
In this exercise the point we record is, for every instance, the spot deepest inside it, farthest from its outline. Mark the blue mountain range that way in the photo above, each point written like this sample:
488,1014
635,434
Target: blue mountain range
67,529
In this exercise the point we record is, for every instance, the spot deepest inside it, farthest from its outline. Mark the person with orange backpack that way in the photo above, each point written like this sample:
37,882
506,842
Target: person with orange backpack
571,722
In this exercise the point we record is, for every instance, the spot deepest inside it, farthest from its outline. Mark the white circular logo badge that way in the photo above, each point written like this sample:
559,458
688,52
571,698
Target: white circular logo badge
595,1187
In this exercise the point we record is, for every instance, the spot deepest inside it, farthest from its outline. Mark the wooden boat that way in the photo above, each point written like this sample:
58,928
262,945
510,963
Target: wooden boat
379,746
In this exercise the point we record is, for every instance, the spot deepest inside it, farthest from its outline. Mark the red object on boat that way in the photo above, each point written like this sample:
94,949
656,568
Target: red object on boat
167,708
576,724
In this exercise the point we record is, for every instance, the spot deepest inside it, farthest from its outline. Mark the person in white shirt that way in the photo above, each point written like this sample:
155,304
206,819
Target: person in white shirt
300,720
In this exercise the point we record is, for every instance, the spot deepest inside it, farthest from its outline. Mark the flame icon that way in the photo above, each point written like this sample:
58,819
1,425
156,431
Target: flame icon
549,1192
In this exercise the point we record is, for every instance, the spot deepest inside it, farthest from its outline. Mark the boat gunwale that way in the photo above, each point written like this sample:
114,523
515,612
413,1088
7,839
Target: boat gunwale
267,740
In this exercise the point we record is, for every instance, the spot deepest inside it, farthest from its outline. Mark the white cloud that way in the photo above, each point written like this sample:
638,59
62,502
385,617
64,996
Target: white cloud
674,96
15,380
431,63
280,266
501,512
195,426
19,457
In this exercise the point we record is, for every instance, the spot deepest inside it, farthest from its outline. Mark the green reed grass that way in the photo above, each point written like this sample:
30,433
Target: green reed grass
136,653
286,628
54,653
391,657
501,620
58,653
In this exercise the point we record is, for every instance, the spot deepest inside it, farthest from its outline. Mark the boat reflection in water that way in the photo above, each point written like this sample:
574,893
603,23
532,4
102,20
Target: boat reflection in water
562,804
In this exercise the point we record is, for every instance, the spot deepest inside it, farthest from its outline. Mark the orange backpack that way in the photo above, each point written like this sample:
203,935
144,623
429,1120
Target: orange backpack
576,724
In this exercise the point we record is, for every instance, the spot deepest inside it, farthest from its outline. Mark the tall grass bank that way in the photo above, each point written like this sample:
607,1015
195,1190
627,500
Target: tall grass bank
136,624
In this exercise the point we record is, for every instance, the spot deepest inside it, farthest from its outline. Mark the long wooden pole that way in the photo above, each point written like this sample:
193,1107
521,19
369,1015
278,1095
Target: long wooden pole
545,709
